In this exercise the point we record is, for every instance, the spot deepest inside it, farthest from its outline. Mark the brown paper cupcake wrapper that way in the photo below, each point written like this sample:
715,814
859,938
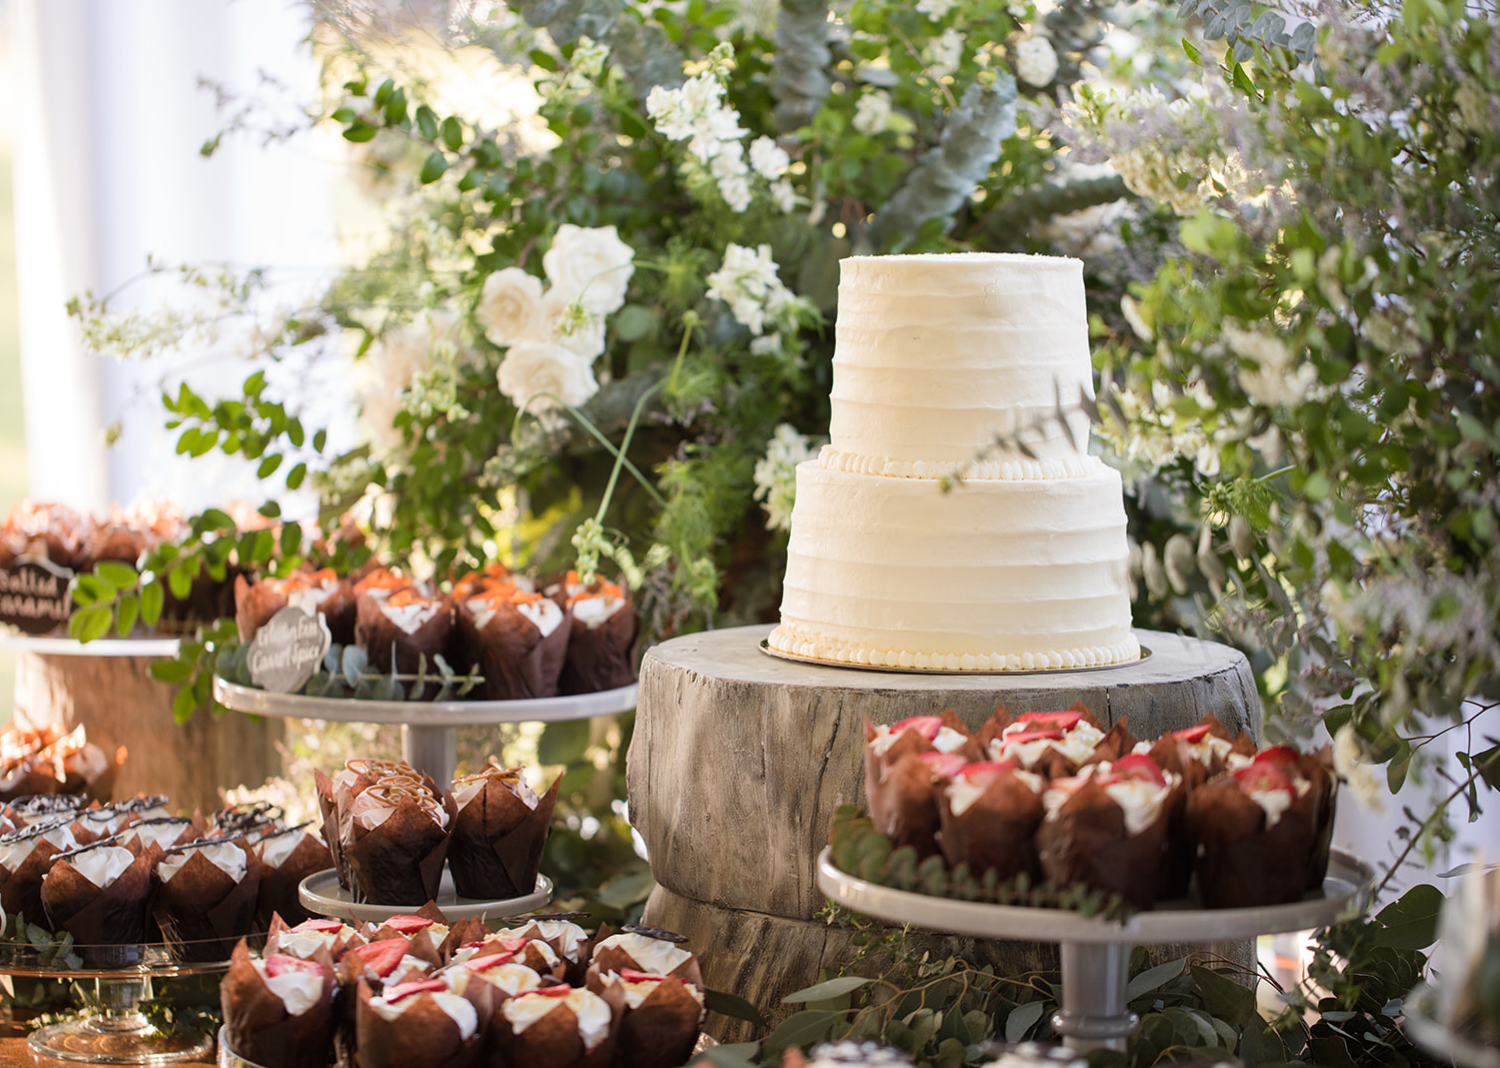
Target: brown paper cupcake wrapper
112,917
327,807
601,658
400,862
203,912
553,1040
517,662
901,800
997,831
21,892
424,1037
378,636
258,1026
1242,863
496,845
662,1030
1087,843
254,605
278,884
1117,742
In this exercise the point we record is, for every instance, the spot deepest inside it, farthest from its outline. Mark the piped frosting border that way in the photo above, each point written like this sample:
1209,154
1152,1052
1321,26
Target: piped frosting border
1016,469
803,642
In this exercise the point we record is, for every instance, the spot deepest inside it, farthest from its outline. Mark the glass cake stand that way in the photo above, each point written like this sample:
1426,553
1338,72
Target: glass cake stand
1096,952
429,729
114,1030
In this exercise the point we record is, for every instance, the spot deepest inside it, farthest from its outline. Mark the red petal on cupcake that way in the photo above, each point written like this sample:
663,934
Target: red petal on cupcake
406,990
407,925
988,767
1279,756
926,726
631,975
319,925
1192,734
943,765
1022,737
383,956
277,963
562,990
1134,766
484,964
1259,777
1062,721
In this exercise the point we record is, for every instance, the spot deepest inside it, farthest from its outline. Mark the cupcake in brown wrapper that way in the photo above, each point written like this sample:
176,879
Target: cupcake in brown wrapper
35,773
416,1025
397,842
562,1027
558,931
328,809
279,1010
661,1020
163,832
648,950
901,763
989,814
1106,828
601,639
499,831
205,895
518,639
1257,829
389,961
400,631
1116,743
310,938
286,858
98,894
25,857
1198,754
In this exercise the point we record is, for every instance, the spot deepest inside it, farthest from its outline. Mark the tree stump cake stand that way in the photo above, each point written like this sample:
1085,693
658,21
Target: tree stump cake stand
107,687
739,761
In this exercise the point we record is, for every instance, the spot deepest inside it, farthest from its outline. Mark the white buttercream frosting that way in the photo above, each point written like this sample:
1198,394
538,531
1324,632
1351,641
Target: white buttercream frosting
410,617
457,1009
1023,566
1139,800
304,944
511,977
298,990
569,937
637,991
1077,743
14,854
594,612
104,865
159,834
226,856
592,1011
543,613
963,791
655,955
277,848
464,792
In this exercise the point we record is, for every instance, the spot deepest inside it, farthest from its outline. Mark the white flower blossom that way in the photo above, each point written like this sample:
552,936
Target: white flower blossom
768,159
936,9
766,345
571,324
695,113
396,360
1349,764
784,196
533,368
749,284
776,474
510,306
591,265
1132,312
1036,61
872,113
1273,381
736,192
944,53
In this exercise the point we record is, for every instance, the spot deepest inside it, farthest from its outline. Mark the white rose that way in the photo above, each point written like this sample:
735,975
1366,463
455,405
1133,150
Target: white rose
591,264
510,306
532,368
768,158
573,326
1036,62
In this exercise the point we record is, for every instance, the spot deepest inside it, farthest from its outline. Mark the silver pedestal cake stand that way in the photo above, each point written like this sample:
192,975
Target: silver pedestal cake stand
1096,952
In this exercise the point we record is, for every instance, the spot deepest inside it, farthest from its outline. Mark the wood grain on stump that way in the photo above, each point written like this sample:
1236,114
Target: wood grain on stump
119,703
739,761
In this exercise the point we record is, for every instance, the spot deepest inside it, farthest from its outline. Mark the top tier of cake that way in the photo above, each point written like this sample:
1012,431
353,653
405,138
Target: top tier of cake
938,355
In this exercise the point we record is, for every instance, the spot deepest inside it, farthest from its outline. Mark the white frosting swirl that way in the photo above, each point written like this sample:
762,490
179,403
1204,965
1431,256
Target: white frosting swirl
14,854
457,1009
298,990
104,865
592,1011
410,617
594,612
543,613
226,856
654,955
275,849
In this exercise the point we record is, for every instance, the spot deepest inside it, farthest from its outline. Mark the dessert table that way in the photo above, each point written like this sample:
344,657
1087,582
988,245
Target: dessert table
740,760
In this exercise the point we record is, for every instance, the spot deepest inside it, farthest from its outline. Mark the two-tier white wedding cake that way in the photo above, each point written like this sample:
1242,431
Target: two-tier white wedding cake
1022,565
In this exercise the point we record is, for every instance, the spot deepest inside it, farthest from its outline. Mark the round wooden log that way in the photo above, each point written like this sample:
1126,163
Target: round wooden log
119,703
740,759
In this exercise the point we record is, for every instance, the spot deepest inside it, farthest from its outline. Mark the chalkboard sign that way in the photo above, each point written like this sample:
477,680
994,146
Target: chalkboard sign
34,596
288,649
